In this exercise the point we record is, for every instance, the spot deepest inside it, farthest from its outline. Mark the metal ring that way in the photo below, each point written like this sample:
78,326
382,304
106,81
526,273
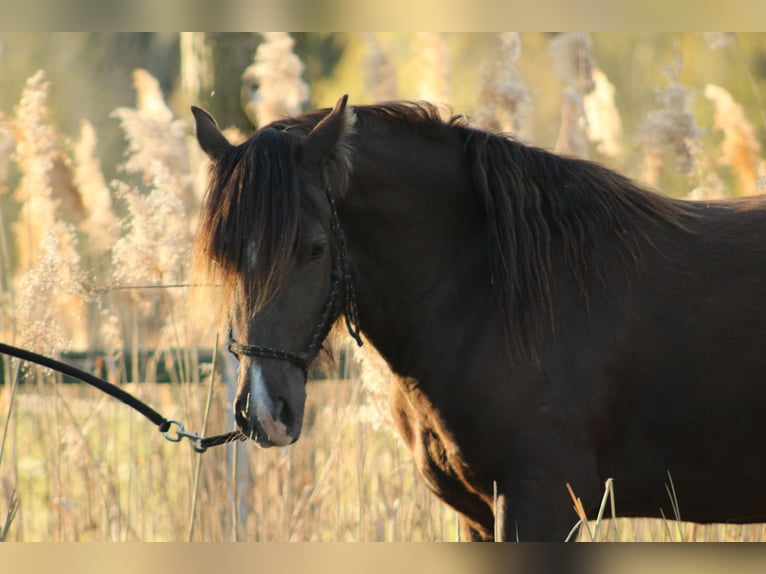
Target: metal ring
178,436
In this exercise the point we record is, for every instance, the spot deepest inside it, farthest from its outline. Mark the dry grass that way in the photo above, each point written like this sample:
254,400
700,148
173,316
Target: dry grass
77,466
605,528
87,468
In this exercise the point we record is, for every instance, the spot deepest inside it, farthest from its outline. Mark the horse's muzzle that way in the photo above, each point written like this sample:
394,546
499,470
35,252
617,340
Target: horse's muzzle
271,415
267,427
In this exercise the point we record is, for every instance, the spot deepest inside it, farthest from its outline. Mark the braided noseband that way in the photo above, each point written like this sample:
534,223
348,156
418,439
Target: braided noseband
341,279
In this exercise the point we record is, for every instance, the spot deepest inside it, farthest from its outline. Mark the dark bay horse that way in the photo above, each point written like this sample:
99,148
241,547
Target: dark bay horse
549,321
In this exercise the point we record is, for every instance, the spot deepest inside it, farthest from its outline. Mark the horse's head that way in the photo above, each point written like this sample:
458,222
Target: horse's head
268,230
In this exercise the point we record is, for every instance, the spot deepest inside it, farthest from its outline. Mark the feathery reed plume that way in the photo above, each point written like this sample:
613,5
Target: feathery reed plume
273,85
50,282
708,183
503,100
603,126
740,147
149,99
668,129
50,295
154,250
379,71
38,157
573,63
431,58
571,137
156,242
100,224
36,139
156,239
719,40
156,141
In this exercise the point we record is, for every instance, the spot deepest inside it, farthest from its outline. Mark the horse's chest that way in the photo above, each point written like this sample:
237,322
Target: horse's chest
435,452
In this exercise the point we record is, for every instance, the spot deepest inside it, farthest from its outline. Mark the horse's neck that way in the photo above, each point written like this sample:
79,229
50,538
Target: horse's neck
415,233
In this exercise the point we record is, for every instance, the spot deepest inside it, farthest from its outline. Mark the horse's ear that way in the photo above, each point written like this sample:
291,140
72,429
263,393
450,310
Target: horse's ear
210,138
325,136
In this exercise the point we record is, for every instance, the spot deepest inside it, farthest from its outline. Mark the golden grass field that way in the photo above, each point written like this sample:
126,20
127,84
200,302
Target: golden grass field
90,263
90,469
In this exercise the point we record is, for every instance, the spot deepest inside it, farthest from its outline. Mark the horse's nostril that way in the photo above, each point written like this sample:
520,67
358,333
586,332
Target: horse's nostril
284,414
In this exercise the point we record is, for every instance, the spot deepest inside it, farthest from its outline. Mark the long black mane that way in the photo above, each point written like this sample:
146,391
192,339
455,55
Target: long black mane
533,197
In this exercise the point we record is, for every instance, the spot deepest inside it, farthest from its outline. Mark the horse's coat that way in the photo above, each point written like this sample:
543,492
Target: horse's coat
550,321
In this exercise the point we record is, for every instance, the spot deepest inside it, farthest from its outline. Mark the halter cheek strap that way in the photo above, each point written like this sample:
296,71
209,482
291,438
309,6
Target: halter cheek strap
298,359
341,276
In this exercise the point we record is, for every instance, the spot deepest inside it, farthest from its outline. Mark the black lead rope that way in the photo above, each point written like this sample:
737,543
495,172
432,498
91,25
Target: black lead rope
200,443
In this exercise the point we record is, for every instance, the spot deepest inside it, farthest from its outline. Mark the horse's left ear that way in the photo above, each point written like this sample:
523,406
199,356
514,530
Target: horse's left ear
325,136
209,136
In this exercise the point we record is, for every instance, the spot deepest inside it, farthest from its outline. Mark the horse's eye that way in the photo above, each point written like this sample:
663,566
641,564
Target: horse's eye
318,249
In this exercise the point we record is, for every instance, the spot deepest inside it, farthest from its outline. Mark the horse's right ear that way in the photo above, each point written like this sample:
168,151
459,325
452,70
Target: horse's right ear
323,139
210,138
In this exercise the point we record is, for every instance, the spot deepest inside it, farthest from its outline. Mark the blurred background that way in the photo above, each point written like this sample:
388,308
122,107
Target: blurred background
91,73
100,182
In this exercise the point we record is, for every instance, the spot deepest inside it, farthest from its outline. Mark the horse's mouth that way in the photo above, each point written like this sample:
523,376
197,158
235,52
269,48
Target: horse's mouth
253,431
252,427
